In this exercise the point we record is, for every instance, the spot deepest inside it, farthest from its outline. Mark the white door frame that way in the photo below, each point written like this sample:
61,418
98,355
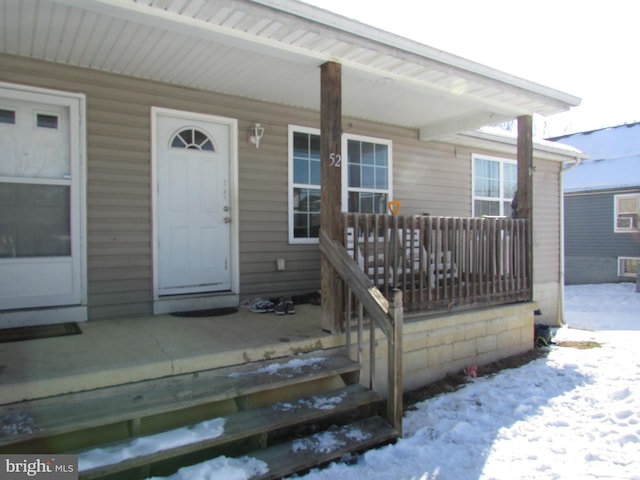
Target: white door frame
76,102
208,300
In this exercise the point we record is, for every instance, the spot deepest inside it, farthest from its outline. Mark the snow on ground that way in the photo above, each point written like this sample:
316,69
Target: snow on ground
572,415
609,306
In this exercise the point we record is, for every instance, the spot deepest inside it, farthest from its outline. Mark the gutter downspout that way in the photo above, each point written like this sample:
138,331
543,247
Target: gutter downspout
565,168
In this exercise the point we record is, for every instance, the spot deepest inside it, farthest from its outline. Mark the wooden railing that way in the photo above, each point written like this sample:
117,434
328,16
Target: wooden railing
364,300
441,263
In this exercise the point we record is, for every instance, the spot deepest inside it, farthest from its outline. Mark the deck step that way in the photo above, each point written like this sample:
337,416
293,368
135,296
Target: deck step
321,448
237,426
46,417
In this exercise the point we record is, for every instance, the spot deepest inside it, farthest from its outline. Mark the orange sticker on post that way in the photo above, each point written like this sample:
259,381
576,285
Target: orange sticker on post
394,207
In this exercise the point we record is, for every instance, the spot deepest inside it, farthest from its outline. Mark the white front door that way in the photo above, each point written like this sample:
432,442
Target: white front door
193,205
40,201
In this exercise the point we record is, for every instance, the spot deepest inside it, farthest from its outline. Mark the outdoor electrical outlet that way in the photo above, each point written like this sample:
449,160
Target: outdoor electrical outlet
280,266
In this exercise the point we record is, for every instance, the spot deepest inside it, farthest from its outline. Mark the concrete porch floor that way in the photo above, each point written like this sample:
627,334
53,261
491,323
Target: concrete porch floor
124,350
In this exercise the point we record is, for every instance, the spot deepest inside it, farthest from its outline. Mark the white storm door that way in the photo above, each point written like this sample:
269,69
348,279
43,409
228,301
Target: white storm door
193,228
40,195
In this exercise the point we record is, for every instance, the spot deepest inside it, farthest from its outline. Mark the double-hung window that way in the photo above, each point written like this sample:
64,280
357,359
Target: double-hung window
304,185
366,179
628,266
366,175
495,181
627,213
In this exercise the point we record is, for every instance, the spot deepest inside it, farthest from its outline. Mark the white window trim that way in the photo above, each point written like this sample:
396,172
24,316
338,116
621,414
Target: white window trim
344,173
620,272
291,185
345,164
617,229
502,198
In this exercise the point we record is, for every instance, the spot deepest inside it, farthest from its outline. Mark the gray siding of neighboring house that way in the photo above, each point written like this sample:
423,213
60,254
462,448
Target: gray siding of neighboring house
592,247
428,177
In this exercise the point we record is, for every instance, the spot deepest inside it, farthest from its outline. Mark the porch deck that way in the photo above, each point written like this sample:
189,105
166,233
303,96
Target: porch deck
124,350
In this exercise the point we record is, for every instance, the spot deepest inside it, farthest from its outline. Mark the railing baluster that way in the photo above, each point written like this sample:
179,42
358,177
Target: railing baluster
459,254
372,355
347,316
467,255
387,260
360,331
446,256
438,255
422,261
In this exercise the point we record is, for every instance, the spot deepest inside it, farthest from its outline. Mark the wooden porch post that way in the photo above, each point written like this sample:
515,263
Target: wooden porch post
525,185
331,190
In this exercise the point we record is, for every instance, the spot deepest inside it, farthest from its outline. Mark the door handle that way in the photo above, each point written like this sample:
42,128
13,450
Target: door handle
227,219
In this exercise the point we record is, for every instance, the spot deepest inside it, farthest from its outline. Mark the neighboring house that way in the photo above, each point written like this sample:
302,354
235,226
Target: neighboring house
161,159
602,206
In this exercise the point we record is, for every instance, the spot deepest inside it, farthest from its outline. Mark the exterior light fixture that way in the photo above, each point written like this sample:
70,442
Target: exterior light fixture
255,134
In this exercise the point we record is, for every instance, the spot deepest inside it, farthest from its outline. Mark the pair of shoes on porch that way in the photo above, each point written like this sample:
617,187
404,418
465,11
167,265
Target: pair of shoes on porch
281,306
284,307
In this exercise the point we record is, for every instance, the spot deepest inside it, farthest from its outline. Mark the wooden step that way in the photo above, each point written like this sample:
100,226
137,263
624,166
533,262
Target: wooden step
247,424
46,417
321,448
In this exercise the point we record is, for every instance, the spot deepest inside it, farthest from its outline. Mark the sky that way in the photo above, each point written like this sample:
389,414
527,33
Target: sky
585,48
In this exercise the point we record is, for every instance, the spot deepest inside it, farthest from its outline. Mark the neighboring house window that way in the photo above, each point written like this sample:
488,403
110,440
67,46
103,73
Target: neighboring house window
627,211
367,174
494,185
628,267
366,183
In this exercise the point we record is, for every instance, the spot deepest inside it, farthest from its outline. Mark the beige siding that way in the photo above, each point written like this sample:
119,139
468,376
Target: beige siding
428,177
546,239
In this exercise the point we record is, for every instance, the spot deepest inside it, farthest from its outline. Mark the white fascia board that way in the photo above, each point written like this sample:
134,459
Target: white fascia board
554,151
327,18
433,132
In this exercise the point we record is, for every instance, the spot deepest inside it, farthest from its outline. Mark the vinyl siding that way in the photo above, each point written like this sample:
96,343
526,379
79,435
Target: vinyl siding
430,178
546,221
591,245
547,283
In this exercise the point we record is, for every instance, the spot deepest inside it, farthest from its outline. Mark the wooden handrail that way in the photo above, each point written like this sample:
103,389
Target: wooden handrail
386,315
360,284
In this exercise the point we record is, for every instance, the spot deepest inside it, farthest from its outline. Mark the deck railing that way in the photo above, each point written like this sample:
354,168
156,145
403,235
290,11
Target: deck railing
441,263
365,301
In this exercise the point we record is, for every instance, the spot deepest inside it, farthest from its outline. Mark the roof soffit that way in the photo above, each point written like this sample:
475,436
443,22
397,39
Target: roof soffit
382,81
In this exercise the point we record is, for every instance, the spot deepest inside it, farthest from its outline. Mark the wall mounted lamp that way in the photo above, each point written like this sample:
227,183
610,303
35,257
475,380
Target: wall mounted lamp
255,134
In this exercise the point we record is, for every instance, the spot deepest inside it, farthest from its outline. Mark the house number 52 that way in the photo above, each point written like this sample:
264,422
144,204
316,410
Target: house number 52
335,159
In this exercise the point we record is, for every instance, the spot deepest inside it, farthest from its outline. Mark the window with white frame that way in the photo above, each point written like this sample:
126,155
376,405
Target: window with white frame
495,181
627,212
366,179
367,174
628,267
304,184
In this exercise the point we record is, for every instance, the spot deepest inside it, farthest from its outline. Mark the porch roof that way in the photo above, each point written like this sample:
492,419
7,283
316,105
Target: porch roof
270,50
